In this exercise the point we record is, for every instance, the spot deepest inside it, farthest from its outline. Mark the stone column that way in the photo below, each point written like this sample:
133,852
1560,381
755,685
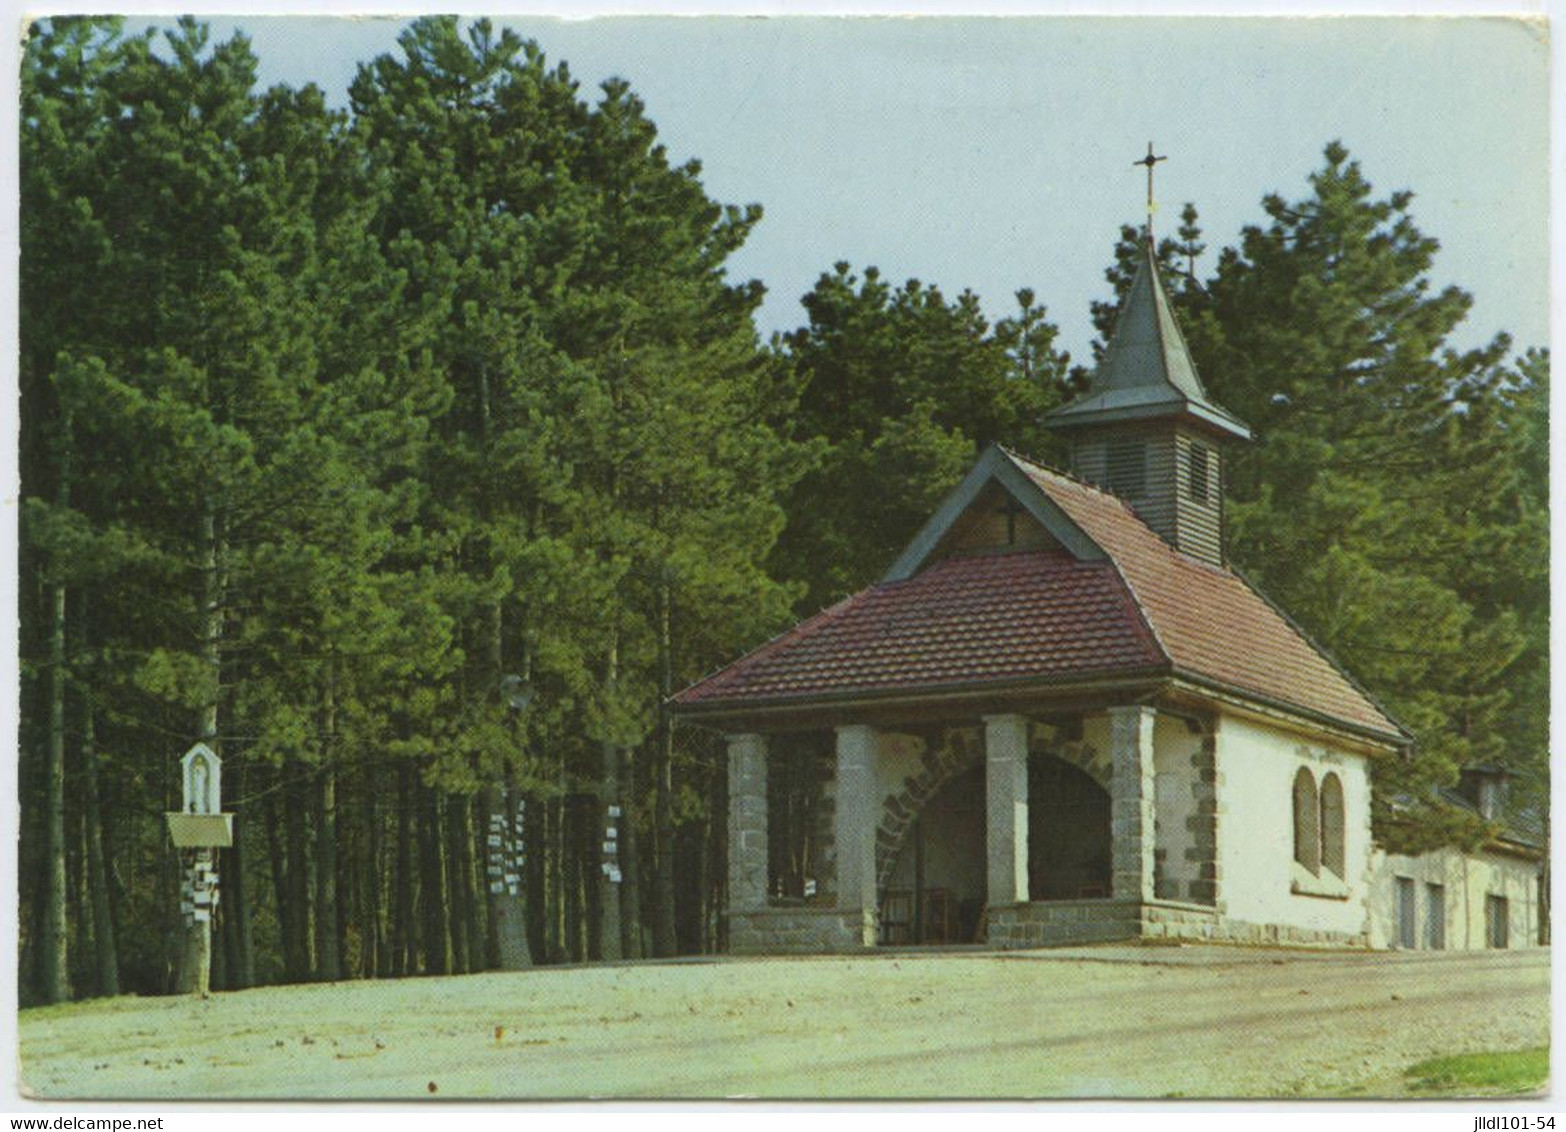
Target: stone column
854,827
1006,808
1203,854
747,823
1131,801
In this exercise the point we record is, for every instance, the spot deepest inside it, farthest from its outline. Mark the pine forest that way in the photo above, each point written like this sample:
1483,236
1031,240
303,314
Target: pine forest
412,454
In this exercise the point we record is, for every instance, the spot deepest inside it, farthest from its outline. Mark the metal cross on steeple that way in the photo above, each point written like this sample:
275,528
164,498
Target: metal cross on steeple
1150,160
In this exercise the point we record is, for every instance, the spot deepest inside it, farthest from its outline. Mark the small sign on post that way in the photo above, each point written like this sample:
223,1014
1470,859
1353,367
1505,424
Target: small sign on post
200,825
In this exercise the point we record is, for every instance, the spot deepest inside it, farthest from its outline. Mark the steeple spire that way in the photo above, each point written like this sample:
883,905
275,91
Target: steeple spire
1146,430
1146,371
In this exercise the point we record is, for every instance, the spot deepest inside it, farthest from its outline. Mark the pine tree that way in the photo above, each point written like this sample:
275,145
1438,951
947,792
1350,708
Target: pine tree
607,453
903,387
239,430
1387,489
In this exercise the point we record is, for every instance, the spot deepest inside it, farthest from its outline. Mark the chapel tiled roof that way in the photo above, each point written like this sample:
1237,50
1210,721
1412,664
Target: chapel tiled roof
1211,623
1037,613
1048,616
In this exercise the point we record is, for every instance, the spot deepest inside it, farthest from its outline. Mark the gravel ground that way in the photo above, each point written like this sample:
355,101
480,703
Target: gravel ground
1094,1022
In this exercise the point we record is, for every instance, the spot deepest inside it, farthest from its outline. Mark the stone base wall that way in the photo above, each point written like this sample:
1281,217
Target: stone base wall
1055,923
1049,923
1238,931
801,931
1058,923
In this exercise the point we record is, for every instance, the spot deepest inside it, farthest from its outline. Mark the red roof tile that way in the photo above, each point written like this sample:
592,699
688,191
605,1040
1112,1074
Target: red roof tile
1211,623
1027,614
1046,615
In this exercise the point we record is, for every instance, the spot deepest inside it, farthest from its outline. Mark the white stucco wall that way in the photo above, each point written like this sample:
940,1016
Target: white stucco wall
1256,766
1465,880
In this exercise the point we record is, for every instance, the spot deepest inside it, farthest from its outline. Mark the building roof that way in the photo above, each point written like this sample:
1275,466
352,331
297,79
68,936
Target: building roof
1521,825
1108,599
1038,614
1212,624
1147,371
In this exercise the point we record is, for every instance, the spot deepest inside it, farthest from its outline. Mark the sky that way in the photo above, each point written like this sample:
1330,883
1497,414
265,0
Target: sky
993,154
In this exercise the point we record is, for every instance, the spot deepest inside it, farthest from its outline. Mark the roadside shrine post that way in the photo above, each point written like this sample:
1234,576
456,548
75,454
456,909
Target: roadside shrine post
198,831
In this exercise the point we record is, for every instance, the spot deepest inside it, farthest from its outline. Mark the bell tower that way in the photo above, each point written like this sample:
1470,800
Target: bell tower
1145,429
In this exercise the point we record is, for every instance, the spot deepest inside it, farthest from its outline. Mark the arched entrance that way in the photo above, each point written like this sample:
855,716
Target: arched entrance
935,893
1069,850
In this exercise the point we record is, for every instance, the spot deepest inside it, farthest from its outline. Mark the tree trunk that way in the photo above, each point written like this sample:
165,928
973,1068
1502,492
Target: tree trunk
195,959
504,884
328,950
555,848
715,863
459,876
474,905
237,950
278,860
608,870
534,831
405,930
432,886
238,941
55,946
507,906
296,944
488,853
196,951
235,904
373,961
630,864
664,934
328,937
105,953
571,893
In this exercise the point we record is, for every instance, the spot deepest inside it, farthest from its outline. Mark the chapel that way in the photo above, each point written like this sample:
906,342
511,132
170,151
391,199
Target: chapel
1060,716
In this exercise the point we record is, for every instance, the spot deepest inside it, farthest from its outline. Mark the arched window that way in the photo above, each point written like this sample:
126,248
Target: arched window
1307,826
1332,852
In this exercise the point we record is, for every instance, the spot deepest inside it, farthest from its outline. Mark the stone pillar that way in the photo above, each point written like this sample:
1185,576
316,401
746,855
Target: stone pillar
1131,801
855,825
1006,808
748,871
1203,823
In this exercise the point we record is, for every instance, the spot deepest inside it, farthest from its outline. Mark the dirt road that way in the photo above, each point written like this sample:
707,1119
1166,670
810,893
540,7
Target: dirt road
1102,1022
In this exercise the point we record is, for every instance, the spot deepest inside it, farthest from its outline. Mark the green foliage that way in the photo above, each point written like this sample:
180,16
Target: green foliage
608,428
901,389
332,421
1502,1073
1394,500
